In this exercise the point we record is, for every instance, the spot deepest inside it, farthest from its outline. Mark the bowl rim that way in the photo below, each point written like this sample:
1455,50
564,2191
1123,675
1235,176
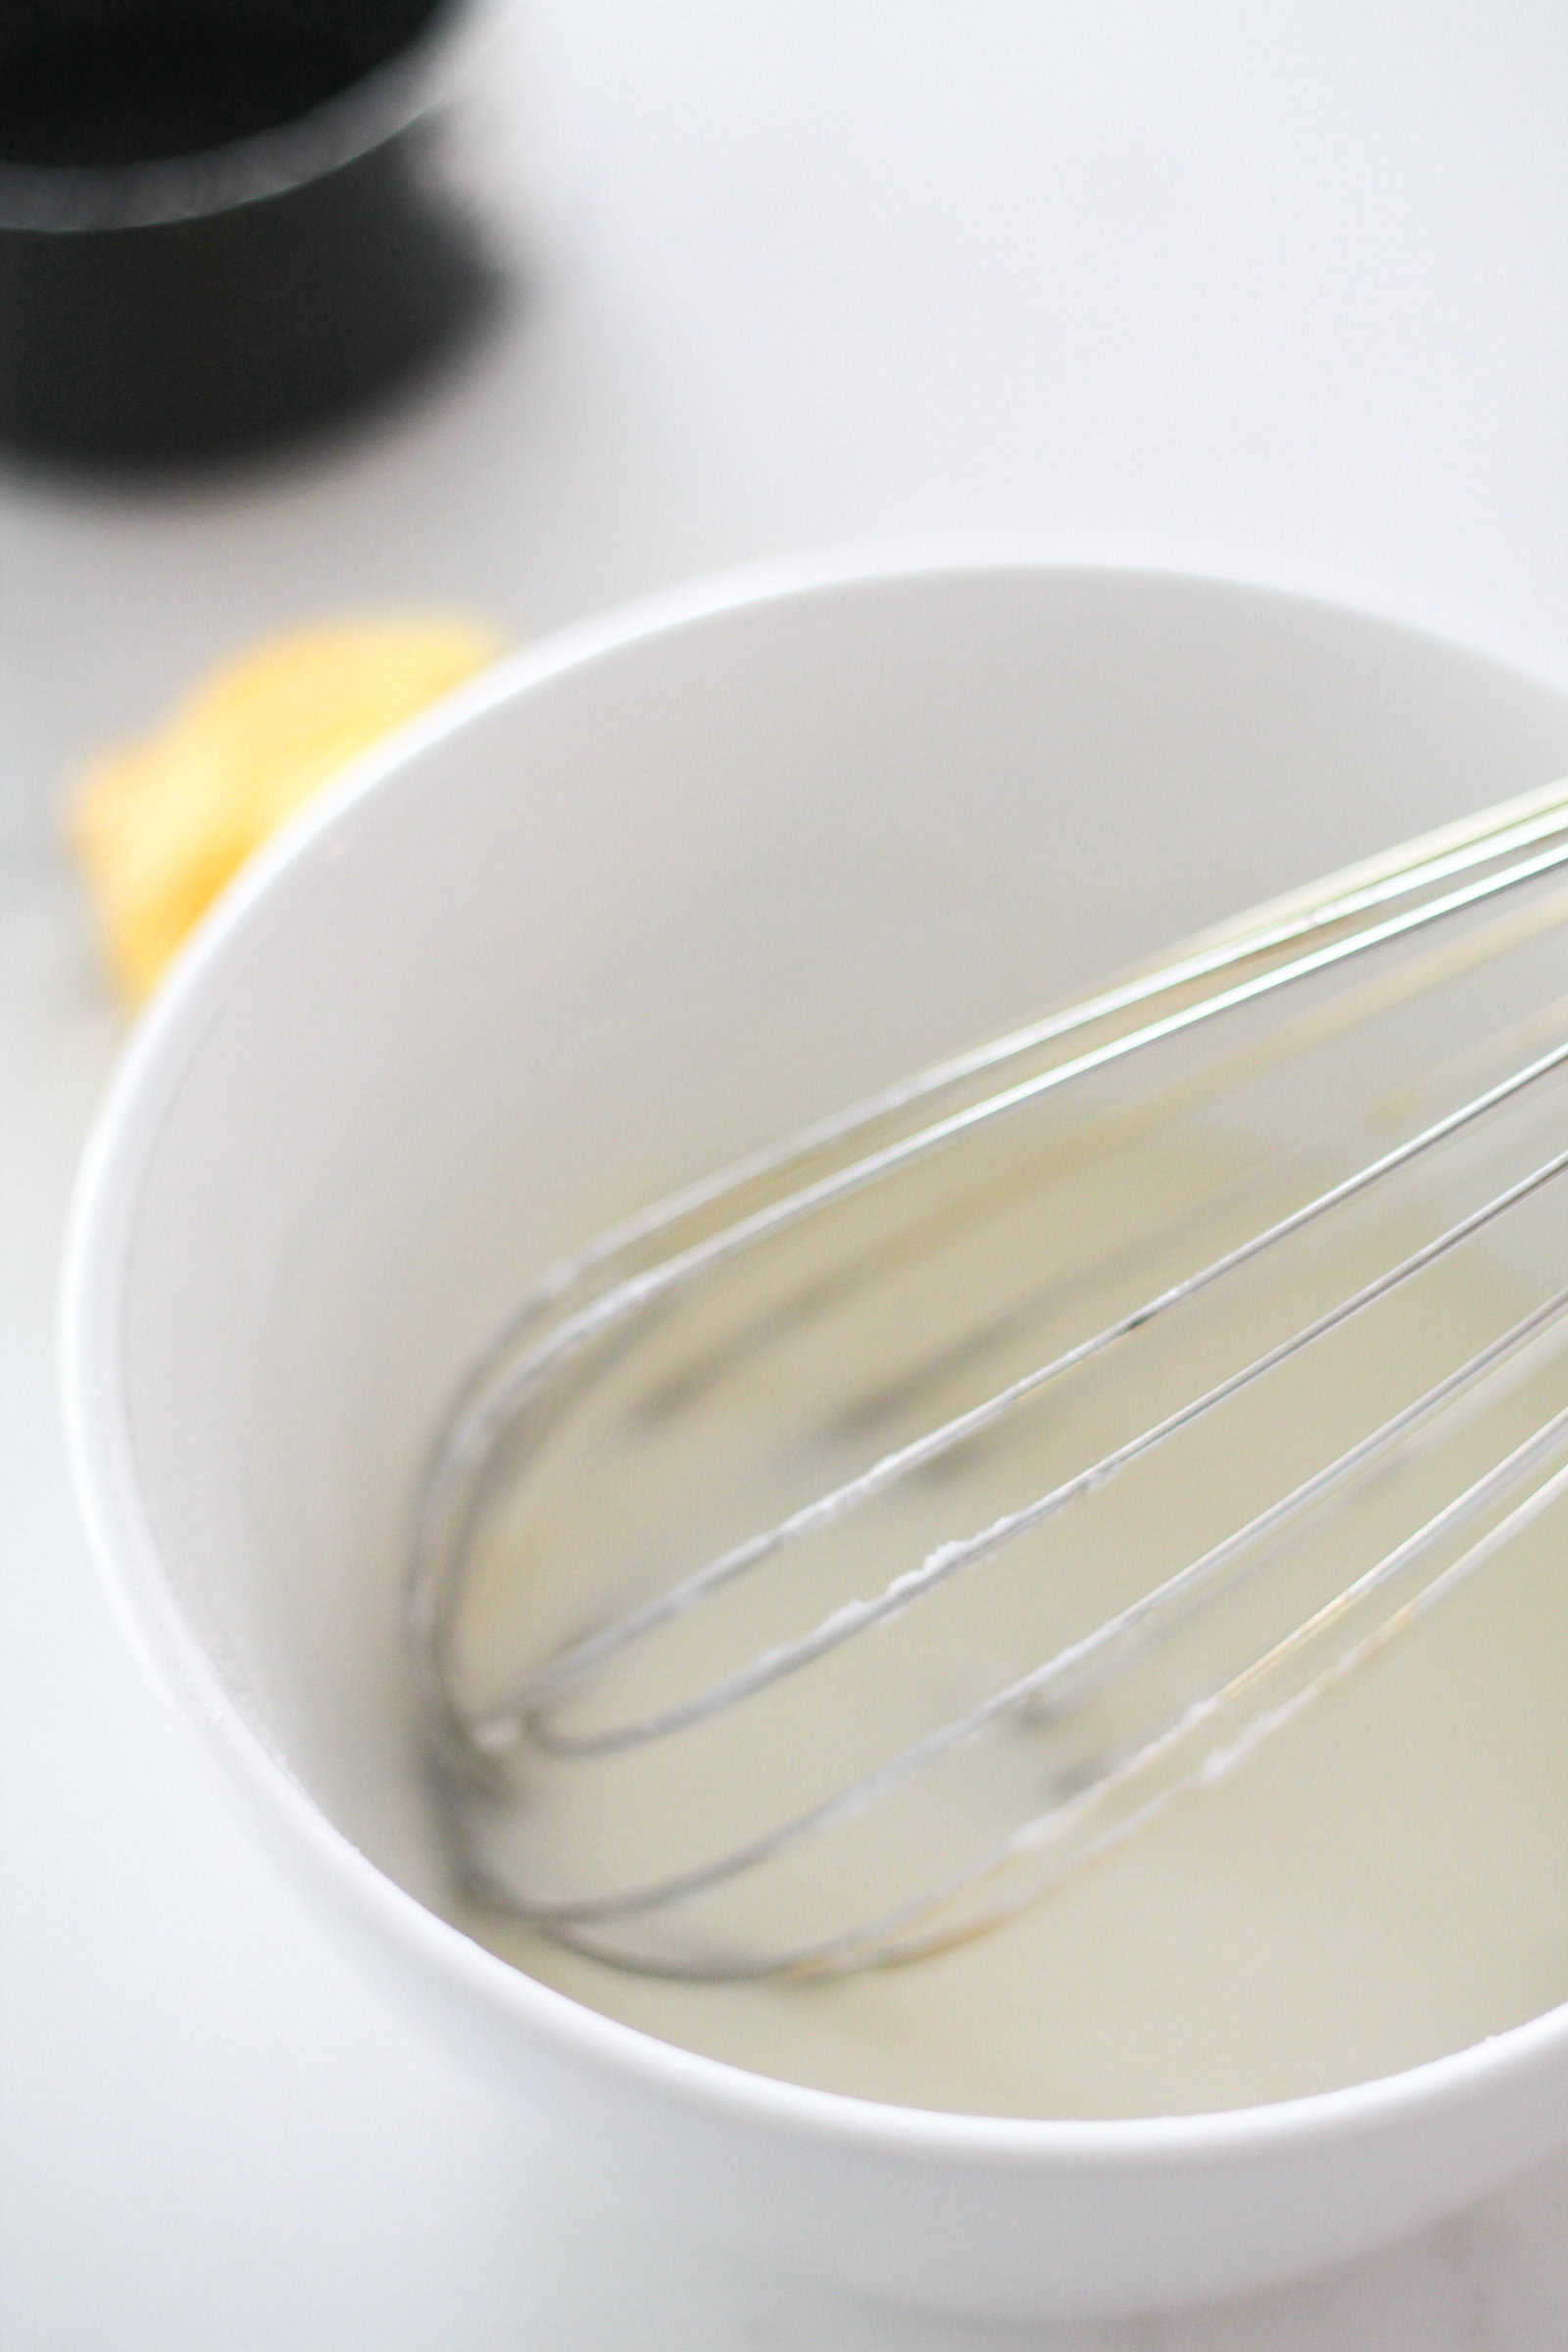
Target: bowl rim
103,1211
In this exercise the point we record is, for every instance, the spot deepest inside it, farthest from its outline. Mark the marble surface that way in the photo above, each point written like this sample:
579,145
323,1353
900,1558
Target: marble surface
1284,291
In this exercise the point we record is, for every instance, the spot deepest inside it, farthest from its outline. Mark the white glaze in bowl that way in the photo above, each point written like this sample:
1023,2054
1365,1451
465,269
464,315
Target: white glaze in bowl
465,1012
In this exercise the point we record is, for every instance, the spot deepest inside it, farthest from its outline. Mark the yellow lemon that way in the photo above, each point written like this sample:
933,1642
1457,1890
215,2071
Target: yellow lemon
162,825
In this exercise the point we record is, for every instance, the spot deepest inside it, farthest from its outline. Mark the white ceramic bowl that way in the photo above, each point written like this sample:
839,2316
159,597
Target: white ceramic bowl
524,971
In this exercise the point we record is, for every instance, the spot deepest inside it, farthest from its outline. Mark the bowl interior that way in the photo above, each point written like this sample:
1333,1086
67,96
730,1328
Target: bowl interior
648,905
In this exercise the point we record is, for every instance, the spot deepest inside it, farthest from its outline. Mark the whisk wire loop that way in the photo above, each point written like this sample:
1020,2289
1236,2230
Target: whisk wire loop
589,1316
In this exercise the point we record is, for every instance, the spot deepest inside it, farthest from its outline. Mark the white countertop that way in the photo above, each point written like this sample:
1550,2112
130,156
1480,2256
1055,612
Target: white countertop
1279,290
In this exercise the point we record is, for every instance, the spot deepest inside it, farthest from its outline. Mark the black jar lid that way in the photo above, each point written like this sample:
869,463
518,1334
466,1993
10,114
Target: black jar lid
221,219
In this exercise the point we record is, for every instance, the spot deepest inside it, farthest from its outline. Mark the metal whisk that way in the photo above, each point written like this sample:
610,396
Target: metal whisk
826,1561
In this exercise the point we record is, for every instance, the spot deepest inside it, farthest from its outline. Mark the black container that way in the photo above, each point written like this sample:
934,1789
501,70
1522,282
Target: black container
224,220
